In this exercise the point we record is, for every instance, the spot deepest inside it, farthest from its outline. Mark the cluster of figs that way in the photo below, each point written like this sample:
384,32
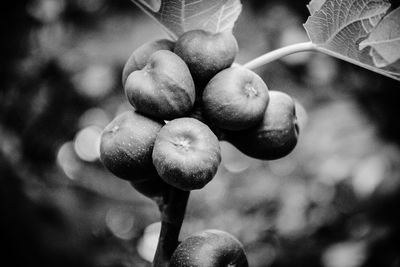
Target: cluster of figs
187,95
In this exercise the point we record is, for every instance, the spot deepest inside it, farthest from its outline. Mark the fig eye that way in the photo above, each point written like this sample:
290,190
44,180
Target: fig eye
249,90
183,144
115,129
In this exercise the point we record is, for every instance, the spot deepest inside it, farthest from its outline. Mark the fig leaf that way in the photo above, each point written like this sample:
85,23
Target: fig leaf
179,16
337,27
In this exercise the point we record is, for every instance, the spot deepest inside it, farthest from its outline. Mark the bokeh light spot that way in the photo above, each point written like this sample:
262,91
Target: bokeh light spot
346,254
94,116
120,223
148,243
87,143
368,175
95,81
232,159
67,160
47,10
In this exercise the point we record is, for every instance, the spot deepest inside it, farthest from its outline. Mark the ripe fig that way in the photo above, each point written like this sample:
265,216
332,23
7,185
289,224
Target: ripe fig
211,248
125,149
206,53
235,99
186,154
274,137
163,89
139,58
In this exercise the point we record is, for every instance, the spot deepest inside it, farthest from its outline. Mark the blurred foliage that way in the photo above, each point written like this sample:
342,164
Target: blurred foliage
332,202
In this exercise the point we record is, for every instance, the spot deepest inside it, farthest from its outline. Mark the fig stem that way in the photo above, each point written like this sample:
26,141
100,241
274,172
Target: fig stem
279,53
172,214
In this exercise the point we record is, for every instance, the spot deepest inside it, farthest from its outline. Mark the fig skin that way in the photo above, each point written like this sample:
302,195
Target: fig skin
163,89
186,154
206,53
139,58
276,136
235,99
125,149
210,248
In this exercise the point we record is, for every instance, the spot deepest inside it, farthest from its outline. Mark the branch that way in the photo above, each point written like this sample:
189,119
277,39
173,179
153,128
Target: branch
172,214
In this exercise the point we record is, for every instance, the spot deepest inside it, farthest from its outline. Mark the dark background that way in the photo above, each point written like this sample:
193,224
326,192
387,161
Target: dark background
332,202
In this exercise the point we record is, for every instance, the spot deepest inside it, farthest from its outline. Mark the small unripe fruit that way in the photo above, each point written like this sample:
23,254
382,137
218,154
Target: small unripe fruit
186,154
235,99
163,89
126,147
139,58
211,248
273,138
206,53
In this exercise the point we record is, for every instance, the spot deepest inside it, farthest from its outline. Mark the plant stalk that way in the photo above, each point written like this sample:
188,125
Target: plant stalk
279,53
172,214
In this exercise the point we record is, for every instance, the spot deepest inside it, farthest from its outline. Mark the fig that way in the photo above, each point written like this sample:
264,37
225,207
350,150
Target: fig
206,53
186,154
275,136
163,89
126,146
235,99
139,58
210,248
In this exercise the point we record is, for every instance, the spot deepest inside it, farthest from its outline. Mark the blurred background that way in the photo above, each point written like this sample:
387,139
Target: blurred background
333,202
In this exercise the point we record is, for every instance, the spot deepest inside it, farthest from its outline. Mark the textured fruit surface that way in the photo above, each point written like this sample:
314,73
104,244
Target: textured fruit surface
273,138
163,89
139,58
186,154
127,144
206,53
211,248
235,99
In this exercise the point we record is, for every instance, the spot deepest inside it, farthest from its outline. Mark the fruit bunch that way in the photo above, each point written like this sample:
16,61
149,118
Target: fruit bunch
192,85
